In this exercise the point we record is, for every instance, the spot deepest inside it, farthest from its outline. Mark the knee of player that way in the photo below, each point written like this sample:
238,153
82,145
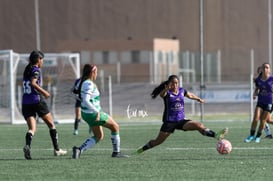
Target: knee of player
99,138
115,128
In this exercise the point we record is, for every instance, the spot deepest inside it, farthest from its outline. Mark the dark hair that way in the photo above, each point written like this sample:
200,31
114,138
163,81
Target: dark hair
260,73
34,57
87,69
161,87
266,63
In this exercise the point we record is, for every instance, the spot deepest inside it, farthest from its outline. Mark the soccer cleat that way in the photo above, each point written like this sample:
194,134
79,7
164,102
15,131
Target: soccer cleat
76,152
249,139
26,150
60,152
119,155
221,134
257,140
75,132
268,136
140,150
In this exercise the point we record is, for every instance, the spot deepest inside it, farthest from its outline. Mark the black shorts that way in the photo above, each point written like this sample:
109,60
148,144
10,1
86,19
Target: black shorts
265,107
169,127
29,110
77,104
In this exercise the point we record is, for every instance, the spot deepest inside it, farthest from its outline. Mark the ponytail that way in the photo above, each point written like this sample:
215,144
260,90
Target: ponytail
27,71
158,89
162,86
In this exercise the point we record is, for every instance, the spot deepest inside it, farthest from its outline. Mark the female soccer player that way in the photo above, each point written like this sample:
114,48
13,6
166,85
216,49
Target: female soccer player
174,116
267,131
264,87
94,116
33,103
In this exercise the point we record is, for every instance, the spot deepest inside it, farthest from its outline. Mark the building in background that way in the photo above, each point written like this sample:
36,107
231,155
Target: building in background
130,60
232,27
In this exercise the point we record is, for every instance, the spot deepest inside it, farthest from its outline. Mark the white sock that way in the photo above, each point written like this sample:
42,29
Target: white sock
88,144
116,142
267,130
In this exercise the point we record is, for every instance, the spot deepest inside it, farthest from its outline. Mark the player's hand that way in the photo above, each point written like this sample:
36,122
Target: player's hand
46,94
201,100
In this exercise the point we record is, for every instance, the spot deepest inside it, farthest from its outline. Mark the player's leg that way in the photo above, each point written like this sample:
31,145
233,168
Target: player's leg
194,125
29,114
115,137
267,131
48,119
161,137
44,113
254,123
77,117
165,131
31,122
265,115
88,143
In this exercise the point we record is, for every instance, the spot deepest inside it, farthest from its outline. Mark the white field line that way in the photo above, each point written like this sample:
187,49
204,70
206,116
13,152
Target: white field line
131,149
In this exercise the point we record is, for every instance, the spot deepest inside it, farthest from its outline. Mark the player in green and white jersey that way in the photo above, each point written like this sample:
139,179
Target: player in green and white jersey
94,116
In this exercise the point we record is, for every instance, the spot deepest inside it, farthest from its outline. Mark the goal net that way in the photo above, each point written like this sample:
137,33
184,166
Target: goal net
59,73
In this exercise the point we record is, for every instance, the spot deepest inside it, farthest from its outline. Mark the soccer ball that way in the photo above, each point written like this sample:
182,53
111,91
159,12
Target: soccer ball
223,146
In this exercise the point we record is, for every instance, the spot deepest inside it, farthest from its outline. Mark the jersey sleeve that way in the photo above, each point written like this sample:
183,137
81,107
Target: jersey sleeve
75,89
185,92
35,74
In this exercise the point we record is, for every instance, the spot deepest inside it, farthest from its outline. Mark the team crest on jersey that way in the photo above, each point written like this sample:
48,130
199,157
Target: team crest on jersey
177,107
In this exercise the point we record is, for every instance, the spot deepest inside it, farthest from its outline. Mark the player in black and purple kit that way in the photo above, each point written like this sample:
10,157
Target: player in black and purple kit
264,87
174,115
75,91
33,103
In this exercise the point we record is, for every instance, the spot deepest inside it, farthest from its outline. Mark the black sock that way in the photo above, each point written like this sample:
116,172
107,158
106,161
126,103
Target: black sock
147,146
209,133
252,132
54,138
28,138
259,134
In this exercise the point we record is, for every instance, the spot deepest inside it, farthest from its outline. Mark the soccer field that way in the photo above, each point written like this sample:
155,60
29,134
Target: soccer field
183,156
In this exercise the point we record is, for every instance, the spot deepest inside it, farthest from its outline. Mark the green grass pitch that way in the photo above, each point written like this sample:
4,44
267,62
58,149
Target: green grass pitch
183,156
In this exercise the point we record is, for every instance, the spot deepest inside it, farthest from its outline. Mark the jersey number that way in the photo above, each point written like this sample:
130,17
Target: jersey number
26,87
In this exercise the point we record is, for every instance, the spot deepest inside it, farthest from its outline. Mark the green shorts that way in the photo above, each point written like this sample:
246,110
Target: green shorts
90,118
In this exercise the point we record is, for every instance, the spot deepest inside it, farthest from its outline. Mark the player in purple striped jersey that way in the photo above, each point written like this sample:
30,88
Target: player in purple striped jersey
174,115
33,103
264,87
